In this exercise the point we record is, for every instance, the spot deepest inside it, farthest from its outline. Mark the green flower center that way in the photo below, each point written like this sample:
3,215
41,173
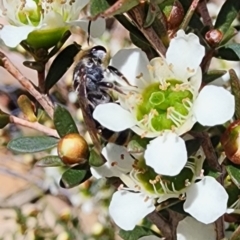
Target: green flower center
155,184
167,107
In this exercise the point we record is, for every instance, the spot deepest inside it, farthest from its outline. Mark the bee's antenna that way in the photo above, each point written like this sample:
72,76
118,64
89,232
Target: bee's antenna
89,28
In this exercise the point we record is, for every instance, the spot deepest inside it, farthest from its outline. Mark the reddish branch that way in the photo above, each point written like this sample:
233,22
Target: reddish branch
34,125
27,84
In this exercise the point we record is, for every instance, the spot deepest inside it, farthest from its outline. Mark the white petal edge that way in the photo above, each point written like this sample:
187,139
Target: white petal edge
151,237
189,229
118,157
12,35
128,208
102,171
166,154
113,117
132,63
206,200
214,105
184,55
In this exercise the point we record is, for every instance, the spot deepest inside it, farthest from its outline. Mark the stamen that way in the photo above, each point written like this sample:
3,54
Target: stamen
177,118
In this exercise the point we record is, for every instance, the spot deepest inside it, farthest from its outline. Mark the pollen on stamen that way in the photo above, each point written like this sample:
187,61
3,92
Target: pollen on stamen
182,196
114,164
187,183
190,70
140,75
146,199
122,156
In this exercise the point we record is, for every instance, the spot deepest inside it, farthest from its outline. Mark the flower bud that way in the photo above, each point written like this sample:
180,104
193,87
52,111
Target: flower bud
213,37
230,141
73,149
174,12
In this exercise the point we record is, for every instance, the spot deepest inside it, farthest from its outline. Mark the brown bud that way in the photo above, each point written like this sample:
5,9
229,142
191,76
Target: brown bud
174,13
213,37
230,141
73,149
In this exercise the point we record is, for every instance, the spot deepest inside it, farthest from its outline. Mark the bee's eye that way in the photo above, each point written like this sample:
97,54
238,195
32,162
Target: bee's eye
99,52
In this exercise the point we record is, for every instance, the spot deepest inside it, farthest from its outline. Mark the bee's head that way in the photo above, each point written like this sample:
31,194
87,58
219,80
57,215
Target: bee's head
98,52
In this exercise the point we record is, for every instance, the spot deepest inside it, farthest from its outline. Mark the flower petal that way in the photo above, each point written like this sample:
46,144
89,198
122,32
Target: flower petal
184,54
113,117
196,80
189,228
151,237
97,27
213,106
128,208
12,35
132,63
160,70
166,154
102,171
206,200
118,157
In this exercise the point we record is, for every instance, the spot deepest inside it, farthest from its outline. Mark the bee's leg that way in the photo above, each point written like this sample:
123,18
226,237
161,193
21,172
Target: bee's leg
119,74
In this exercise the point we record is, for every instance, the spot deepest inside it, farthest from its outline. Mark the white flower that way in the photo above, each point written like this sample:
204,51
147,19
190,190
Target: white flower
28,15
206,200
190,229
166,101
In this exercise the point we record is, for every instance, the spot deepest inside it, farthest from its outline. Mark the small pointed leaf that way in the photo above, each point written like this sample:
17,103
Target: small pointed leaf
74,176
50,161
63,121
227,14
34,65
136,233
213,75
117,7
98,6
235,87
61,64
233,193
95,159
4,119
234,174
32,144
229,52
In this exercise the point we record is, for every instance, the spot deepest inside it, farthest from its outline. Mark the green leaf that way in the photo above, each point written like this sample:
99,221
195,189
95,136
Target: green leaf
234,173
235,87
32,144
4,119
227,14
75,176
231,32
213,75
61,64
95,159
63,121
98,6
50,161
151,15
233,193
136,233
229,52
116,8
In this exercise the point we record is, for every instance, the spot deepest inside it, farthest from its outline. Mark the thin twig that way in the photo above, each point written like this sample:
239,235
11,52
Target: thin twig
34,125
41,80
162,225
189,14
137,16
27,84
202,9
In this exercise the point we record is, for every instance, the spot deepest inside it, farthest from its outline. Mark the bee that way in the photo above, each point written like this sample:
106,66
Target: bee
93,88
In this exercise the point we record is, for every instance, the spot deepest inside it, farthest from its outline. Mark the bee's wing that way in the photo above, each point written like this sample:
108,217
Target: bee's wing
87,116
